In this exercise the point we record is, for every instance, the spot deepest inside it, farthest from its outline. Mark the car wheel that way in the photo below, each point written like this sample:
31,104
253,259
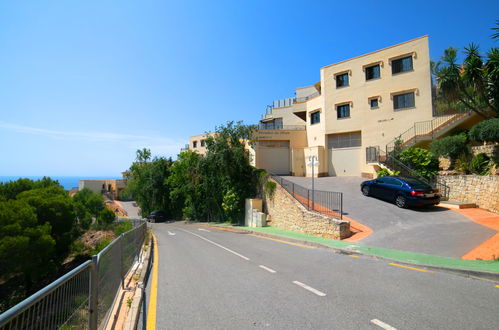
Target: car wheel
365,190
400,201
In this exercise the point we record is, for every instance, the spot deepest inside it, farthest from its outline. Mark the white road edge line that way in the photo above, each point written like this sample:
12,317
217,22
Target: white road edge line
171,234
309,288
202,229
382,324
220,246
270,270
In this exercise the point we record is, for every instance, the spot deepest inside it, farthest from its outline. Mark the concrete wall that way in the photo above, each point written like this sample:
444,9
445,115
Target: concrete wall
481,190
287,213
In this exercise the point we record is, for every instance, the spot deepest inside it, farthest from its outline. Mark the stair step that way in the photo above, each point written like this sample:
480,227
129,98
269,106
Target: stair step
457,205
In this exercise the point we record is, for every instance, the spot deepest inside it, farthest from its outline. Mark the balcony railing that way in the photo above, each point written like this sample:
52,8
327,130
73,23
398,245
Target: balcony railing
270,126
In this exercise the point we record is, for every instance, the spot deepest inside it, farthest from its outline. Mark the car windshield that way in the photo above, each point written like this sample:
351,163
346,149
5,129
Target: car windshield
416,184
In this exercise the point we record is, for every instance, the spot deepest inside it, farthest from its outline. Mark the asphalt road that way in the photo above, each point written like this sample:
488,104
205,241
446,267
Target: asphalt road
433,230
212,279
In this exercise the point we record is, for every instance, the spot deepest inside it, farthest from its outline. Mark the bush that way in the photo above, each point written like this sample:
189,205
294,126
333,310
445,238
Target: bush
421,161
122,227
106,217
450,146
486,131
462,164
386,172
479,164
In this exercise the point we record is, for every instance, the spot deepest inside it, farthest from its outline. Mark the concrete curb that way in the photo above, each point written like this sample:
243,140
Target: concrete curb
132,318
483,275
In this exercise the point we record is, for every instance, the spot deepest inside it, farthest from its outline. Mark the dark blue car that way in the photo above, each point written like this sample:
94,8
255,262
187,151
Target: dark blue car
404,191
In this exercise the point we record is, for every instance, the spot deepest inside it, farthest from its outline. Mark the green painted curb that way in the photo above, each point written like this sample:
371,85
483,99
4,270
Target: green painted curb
487,266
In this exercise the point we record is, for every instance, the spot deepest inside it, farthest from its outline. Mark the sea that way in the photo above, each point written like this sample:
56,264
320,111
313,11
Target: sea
68,182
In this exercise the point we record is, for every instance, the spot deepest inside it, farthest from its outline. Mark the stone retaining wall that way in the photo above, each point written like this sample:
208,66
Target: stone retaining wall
481,190
490,150
286,212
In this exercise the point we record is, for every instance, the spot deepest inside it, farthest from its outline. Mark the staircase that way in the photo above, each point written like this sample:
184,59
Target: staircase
427,131
421,131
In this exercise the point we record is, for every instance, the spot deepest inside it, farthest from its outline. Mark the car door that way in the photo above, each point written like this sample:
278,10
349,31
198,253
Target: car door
375,188
393,187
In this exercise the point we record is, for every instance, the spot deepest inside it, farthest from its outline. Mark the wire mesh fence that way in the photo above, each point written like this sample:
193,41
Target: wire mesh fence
70,301
325,202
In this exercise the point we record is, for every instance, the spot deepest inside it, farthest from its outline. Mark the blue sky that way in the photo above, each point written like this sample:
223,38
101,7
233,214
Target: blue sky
83,84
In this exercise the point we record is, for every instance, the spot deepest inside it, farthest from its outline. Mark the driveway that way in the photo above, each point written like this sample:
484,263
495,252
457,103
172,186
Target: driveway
434,230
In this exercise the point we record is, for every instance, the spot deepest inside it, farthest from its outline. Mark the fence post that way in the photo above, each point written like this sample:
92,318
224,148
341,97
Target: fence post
93,300
293,189
120,242
308,199
341,205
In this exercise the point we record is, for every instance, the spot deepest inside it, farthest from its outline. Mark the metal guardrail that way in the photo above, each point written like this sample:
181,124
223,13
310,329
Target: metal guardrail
325,202
82,298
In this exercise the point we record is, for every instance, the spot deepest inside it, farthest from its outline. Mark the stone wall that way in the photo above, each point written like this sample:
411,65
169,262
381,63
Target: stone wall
481,190
286,212
490,150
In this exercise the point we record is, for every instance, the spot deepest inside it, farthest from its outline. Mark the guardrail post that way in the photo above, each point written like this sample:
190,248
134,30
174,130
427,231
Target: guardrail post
293,189
93,299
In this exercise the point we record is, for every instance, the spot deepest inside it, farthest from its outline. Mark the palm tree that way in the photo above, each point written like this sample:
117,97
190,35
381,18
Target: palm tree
472,86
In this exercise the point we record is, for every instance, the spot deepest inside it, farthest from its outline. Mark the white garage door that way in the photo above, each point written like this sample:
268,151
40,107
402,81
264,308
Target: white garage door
344,154
273,156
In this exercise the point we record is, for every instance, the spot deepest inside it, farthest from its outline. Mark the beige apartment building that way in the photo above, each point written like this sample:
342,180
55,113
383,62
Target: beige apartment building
363,102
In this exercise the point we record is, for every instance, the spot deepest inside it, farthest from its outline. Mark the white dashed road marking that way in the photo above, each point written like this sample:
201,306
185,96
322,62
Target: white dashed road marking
382,324
216,244
171,234
309,288
267,269
202,229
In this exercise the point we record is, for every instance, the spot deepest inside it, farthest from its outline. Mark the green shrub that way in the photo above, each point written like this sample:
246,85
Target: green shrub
269,188
122,227
421,161
462,164
386,172
450,146
479,164
486,131
106,217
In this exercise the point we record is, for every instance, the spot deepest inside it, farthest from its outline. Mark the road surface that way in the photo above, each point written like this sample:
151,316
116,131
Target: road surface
213,279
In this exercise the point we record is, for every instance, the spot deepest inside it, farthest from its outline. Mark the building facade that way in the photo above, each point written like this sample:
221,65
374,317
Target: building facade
359,104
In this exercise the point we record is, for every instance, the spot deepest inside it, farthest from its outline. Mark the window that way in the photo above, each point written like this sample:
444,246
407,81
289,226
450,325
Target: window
345,140
374,103
393,181
315,117
194,144
342,80
372,72
402,64
402,101
343,111
202,143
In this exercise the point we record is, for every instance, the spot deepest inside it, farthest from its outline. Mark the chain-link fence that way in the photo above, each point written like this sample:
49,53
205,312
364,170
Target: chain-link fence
70,301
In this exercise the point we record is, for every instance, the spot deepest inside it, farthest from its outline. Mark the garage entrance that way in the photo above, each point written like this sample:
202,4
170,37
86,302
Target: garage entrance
274,156
344,154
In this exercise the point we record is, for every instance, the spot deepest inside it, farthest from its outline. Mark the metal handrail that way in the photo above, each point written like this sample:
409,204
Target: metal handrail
423,130
282,127
375,155
325,202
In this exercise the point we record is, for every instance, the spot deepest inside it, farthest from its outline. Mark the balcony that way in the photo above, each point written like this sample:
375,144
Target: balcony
278,126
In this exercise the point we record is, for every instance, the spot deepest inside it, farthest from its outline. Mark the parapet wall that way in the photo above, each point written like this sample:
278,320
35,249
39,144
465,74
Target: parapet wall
286,212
